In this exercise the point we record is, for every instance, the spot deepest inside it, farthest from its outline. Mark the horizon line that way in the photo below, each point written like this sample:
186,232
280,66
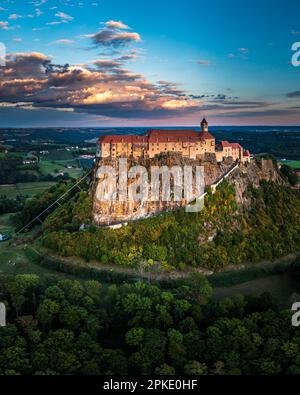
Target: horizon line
143,126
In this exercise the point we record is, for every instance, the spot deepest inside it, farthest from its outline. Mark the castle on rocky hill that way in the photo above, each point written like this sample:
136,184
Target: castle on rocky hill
189,143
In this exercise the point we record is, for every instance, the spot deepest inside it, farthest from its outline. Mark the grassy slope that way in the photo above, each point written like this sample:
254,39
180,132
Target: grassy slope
50,167
292,163
27,189
17,259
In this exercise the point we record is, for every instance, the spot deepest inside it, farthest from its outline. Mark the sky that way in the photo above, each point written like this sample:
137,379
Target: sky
81,63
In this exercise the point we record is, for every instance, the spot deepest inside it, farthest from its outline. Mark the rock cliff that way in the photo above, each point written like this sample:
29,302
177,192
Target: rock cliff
251,174
113,212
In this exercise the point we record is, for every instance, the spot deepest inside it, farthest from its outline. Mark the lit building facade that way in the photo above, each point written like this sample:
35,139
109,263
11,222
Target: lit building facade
188,143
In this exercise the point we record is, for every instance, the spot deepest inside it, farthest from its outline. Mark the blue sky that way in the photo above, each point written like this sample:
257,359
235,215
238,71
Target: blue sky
149,62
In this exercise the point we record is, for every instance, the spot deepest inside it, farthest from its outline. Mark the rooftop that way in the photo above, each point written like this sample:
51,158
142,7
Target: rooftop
159,136
226,144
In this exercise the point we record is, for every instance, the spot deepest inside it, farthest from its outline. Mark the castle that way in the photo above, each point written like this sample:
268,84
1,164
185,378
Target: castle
189,143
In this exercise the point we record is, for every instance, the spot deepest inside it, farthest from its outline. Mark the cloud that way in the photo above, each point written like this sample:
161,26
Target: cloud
106,64
113,35
129,57
4,25
64,16
204,62
38,12
257,114
243,50
103,87
106,88
63,41
108,38
52,23
15,16
116,25
293,94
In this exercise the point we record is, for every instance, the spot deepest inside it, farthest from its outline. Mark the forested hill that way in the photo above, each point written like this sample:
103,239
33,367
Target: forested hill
225,233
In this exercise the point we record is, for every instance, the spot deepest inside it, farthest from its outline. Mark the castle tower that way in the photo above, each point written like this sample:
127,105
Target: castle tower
204,125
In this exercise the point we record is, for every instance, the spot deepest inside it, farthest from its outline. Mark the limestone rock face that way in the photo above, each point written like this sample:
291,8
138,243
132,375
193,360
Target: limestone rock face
250,174
110,212
113,211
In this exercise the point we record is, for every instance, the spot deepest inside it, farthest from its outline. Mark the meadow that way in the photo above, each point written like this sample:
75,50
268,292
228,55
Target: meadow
295,164
53,167
29,189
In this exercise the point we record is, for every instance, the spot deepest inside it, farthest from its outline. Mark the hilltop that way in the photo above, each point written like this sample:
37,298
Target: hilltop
253,215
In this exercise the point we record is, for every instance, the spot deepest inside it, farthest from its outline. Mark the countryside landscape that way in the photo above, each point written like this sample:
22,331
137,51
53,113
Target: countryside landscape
149,193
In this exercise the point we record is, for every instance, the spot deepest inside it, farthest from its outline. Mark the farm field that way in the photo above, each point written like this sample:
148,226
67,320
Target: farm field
15,259
29,189
52,167
292,163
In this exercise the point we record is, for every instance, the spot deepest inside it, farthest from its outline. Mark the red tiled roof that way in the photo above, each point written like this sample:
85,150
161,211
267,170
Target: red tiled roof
164,136
236,145
134,139
247,153
159,136
226,144
206,136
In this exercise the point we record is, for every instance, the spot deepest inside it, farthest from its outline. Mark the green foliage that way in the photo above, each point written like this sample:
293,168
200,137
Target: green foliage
11,205
218,236
289,174
80,207
9,164
67,327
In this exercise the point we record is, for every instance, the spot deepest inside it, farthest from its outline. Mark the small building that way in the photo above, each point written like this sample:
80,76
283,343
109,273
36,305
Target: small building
87,156
226,149
30,159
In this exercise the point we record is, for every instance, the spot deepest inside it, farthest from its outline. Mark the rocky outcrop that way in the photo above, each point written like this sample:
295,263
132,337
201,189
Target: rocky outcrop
251,174
111,212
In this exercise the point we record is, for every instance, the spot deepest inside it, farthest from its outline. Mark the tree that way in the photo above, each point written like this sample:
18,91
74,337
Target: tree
165,370
47,311
195,368
135,336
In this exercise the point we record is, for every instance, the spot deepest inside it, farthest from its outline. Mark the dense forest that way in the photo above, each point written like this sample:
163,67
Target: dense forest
72,327
220,235
11,205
